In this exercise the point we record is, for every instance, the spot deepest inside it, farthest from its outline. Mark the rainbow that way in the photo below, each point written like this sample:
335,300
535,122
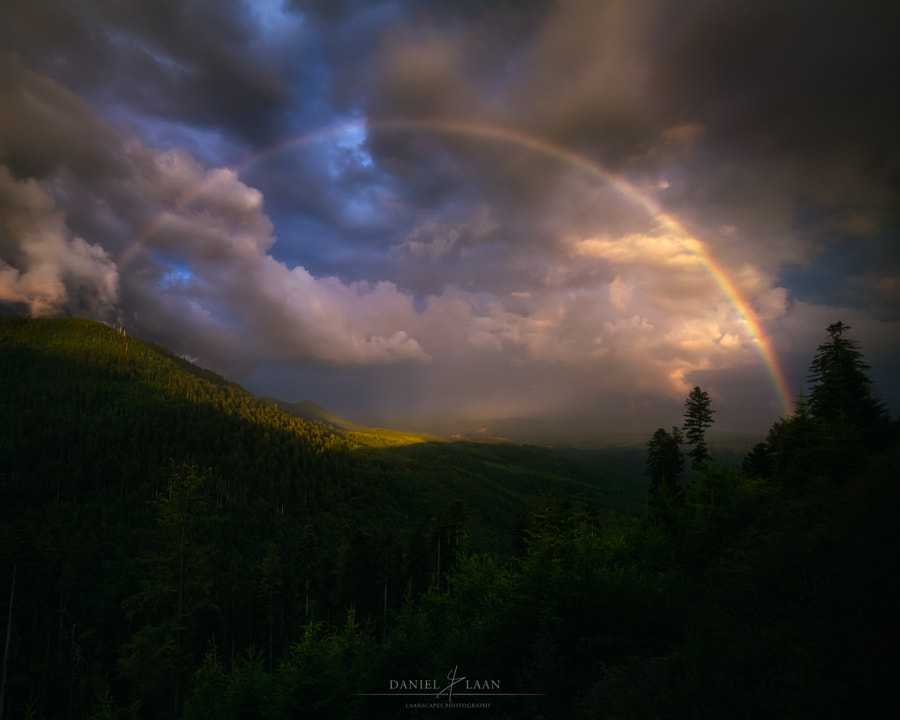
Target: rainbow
502,134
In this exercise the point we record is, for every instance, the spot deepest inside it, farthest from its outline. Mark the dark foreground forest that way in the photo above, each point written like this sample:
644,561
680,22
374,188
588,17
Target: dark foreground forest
171,547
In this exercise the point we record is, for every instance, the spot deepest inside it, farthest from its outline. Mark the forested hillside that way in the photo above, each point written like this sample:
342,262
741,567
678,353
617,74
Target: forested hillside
311,411
152,509
170,547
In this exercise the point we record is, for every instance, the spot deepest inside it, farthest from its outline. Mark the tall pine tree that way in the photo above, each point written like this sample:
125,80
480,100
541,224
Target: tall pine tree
697,419
841,395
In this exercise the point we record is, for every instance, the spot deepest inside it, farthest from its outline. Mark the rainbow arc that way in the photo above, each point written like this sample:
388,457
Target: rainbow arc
666,222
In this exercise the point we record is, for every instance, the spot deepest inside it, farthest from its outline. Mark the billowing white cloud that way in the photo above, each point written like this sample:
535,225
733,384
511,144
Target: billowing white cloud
194,260
43,266
216,226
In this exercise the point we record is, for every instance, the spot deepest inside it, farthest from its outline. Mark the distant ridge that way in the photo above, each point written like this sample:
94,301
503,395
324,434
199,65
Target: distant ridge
311,412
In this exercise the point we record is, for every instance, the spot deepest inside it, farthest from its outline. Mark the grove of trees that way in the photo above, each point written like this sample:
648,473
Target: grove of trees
665,460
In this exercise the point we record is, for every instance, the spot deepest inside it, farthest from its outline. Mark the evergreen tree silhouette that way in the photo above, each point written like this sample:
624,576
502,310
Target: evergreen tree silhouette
697,419
665,462
842,396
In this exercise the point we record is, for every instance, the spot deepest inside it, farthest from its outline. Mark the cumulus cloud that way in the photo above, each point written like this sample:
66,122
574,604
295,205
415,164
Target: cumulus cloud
43,266
197,269
216,226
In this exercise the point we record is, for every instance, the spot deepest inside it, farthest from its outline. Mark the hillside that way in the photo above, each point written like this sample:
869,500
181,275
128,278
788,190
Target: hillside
287,521
311,412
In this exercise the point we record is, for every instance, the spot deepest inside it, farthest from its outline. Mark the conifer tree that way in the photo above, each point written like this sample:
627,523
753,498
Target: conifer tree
697,419
758,461
665,462
794,444
841,393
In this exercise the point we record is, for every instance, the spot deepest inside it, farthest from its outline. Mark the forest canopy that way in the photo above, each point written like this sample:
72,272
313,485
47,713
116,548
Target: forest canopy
171,547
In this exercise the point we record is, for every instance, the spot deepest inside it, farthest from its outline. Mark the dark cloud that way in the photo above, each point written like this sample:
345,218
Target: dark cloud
495,209
44,127
792,77
203,63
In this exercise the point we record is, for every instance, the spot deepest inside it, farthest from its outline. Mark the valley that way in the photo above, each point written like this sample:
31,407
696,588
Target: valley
173,547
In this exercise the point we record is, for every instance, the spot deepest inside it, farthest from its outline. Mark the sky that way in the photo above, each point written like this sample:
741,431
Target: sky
448,215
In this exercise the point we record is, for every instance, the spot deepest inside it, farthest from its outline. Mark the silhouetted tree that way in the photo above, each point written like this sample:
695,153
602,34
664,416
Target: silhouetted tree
665,462
842,396
759,461
697,418
794,444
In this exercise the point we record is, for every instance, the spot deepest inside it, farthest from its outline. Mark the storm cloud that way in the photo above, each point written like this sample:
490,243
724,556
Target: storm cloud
408,211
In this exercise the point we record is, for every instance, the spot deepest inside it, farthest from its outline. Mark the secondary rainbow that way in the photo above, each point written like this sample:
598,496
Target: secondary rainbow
539,145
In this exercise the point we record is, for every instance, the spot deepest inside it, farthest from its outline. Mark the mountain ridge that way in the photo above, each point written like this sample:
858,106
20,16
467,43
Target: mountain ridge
311,411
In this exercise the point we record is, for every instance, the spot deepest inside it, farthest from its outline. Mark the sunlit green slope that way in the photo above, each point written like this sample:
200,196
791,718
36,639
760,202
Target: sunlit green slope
92,408
89,409
312,412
